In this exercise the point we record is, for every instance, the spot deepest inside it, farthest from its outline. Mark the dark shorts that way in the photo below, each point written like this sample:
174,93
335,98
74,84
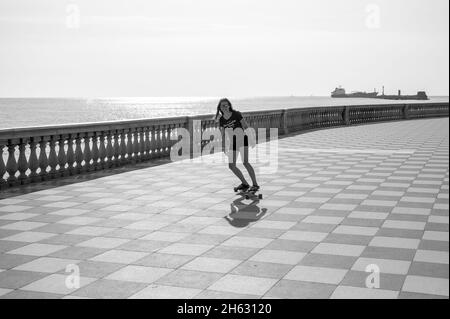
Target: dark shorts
237,147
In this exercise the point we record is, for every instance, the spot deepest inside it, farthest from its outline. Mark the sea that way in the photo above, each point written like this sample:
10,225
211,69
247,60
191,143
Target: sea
32,112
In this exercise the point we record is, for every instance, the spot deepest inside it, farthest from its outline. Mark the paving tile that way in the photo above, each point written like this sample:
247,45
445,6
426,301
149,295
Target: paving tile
13,279
426,285
404,225
90,231
186,249
247,242
399,233
316,274
10,261
243,284
355,230
164,260
328,261
78,253
425,269
289,289
65,239
120,256
165,236
412,295
212,264
240,253
262,269
399,267
315,228
21,294
338,249
37,249
211,294
56,284
347,239
304,236
430,256
438,236
46,265
189,279
23,226
29,237
345,292
97,269
140,274
365,279
392,242
109,289
389,253
103,242
166,292
278,257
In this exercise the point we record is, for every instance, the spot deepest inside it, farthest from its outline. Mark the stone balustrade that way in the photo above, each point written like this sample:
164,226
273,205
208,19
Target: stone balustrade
35,154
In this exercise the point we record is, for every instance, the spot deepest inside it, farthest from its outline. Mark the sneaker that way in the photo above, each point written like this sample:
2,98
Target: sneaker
242,187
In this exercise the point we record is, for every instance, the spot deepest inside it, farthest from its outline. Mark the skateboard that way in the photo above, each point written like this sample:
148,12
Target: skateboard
248,193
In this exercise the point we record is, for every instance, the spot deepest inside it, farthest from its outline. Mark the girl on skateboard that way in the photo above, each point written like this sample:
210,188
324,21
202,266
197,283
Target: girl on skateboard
228,119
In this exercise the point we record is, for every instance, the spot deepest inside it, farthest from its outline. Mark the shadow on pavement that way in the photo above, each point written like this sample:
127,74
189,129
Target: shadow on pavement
242,214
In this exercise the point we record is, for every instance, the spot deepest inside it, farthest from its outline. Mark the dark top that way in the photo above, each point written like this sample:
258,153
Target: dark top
233,122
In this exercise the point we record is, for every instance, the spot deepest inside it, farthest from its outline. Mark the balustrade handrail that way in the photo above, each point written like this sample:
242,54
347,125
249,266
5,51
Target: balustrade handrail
40,153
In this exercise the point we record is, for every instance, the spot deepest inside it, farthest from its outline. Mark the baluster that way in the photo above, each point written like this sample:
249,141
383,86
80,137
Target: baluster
123,148
158,141
87,153
129,150
22,163
43,160
115,151
95,152
2,167
70,155
78,154
142,142
52,158
136,145
148,146
165,130
11,164
110,151
62,158
102,151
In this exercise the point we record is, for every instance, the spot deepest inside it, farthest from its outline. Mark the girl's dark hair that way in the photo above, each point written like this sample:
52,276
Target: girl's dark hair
218,106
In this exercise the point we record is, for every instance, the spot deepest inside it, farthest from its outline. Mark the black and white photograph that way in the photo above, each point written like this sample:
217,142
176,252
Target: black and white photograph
228,155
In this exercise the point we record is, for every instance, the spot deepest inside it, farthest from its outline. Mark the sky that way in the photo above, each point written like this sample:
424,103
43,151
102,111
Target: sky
239,48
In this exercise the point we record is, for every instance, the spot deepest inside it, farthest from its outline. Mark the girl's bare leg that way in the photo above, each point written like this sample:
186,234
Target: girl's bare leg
232,156
247,165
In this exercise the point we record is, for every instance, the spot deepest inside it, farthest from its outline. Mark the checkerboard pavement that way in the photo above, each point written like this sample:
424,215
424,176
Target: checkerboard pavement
343,201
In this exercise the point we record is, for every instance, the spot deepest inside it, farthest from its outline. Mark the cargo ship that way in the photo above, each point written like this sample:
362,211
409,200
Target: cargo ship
340,93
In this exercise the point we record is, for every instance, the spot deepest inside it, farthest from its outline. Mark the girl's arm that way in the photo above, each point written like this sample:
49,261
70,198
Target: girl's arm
244,124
